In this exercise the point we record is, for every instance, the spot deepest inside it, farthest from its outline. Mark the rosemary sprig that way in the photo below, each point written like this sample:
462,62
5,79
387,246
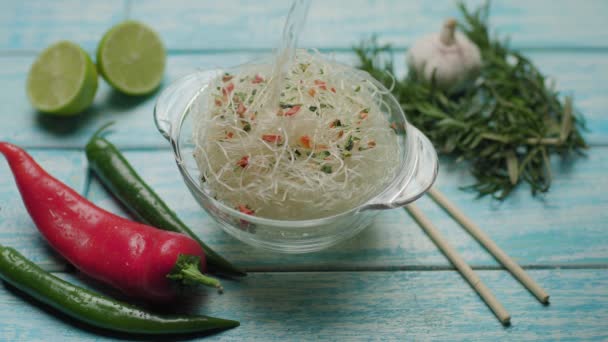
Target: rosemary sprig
506,124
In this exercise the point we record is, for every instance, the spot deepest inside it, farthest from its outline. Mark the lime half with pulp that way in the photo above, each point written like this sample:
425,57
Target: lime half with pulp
131,57
62,80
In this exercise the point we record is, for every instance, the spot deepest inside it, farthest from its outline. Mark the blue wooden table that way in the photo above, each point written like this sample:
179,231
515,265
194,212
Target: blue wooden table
388,283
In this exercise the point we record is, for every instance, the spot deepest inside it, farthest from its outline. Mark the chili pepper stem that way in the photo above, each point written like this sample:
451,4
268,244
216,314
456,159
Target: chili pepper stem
187,271
102,129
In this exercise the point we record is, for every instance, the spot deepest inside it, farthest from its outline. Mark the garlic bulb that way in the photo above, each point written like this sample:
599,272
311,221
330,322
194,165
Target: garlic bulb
449,56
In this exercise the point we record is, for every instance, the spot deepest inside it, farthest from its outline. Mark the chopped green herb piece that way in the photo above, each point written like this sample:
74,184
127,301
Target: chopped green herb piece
337,123
366,110
326,168
247,127
357,89
304,66
297,153
324,154
346,154
349,143
312,108
254,91
240,95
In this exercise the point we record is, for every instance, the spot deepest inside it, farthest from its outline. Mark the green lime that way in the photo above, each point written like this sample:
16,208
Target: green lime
62,80
131,57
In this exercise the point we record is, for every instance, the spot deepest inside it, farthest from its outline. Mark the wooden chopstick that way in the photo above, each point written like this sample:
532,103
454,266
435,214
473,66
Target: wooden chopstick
464,269
485,240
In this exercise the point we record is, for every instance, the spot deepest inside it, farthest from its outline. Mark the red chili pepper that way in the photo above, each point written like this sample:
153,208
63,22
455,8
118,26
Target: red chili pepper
333,90
321,84
292,111
138,259
229,135
305,141
271,138
243,162
312,92
257,79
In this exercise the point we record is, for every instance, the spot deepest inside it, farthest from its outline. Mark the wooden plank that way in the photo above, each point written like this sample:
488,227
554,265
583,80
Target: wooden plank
135,127
347,306
563,228
16,227
33,25
191,24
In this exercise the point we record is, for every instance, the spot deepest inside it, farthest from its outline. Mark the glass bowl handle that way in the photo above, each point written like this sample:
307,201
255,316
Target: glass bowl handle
176,98
421,179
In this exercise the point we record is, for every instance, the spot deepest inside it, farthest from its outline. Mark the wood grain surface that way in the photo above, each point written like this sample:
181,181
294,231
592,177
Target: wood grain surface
388,283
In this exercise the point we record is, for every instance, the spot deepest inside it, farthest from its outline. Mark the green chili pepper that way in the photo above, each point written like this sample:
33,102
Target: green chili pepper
118,176
93,308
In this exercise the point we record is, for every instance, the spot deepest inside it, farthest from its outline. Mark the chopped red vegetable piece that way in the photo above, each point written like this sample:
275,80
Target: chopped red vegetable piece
271,138
363,115
229,135
305,141
292,111
321,84
243,162
257,79
241,109
245,209
228,89
312,92
333,90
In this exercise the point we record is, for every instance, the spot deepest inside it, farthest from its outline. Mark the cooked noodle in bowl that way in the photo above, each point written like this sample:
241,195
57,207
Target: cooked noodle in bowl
314,143
296,152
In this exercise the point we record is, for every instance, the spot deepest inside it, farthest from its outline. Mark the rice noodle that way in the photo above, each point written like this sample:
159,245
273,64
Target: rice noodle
325,148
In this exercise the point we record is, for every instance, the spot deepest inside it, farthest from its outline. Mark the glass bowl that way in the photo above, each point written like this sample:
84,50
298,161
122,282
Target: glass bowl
416,173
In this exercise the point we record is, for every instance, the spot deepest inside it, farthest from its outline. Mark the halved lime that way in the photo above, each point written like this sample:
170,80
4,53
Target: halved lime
131,57
62,80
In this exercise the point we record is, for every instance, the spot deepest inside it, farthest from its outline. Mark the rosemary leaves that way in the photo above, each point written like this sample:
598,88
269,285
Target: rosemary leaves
506,124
